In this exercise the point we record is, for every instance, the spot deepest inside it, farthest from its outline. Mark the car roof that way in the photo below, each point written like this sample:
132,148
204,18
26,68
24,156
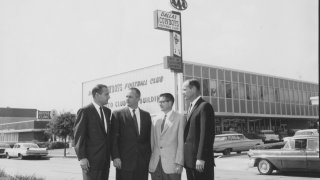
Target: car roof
305,136
306,130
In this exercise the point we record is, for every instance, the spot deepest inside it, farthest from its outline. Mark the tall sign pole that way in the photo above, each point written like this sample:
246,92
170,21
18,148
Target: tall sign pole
171,21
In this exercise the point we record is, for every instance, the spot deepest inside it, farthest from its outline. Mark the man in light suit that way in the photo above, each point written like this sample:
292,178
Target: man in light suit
92,136
199,134
167,129
131,149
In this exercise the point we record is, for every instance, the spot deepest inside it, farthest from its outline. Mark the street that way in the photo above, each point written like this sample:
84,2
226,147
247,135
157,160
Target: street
234,167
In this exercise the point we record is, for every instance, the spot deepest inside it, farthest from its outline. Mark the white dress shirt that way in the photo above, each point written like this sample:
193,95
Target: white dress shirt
98,110
193,103
137,112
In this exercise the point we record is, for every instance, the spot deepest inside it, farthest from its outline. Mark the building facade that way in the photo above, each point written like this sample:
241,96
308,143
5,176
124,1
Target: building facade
23,125
247,102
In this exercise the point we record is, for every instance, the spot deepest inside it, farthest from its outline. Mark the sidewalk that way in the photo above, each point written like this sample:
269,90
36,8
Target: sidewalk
70,153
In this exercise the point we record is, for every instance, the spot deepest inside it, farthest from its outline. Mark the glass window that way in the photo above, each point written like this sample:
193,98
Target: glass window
248,80
260,82
286,96
205,72
254,79
188,70
261,98
213,88
241,77
205,87
281,95
265,81
234,76
213,73
221,89
241,91
248,92
296,96
228,90
271,94
271,81
276,94
220,74
254,92
265,93
228,75
197,71
300,97
304,98
291,95
235,90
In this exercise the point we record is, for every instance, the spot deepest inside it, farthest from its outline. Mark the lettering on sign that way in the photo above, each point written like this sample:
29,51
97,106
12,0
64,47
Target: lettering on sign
44,114
167,21
176,44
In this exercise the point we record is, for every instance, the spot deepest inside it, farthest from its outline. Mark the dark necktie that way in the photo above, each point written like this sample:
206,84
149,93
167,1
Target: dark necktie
102,118
190,108
163,122
135,120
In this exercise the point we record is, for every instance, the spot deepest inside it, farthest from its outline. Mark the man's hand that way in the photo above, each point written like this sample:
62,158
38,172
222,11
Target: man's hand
178,169
200,165
117,163
84,163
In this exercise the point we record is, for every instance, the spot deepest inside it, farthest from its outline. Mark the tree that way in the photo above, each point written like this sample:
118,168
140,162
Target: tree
62,126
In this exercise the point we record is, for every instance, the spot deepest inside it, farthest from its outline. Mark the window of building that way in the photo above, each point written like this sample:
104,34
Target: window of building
205,87
248,79
205,72
248,92
291,96
213,88
276,94
271,94
188,70
261,98
254,92
197,71
266,93
228,90
241,77
221,89
242,91
213,73
235,90
286,96
228,75
296,96
300,97
234,76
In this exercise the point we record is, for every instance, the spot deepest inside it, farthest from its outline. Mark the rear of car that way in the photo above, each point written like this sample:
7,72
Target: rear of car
268,136
3,148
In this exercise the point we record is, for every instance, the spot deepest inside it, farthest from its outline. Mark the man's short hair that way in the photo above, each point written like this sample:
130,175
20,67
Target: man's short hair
168,96
136,90
194,83
98,89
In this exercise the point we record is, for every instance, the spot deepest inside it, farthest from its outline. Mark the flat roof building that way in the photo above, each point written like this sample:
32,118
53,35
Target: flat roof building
243,101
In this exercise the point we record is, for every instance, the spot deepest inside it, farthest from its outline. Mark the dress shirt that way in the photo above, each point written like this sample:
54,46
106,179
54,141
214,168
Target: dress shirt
98,110
137,112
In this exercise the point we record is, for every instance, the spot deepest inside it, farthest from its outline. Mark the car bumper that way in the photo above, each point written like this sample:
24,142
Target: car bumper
251,162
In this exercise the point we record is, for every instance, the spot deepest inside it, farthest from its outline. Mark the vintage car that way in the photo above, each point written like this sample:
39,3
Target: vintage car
304,132
3,147
235,142
300,153
22,150
268,136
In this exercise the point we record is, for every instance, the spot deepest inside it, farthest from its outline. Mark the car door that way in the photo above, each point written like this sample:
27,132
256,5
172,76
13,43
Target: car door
313,160
295,157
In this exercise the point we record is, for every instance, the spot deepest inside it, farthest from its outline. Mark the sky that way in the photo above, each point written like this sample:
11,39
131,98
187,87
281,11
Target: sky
49,48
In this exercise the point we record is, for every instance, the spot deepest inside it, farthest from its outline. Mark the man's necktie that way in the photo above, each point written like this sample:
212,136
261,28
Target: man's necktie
135,120
102,118
163,122
190,108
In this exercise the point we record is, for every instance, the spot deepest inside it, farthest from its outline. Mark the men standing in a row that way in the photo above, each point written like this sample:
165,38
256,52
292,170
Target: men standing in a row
92,136
167,142
131,147
198,134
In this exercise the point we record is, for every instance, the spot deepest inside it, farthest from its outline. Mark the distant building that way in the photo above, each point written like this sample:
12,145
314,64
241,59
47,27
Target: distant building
22,125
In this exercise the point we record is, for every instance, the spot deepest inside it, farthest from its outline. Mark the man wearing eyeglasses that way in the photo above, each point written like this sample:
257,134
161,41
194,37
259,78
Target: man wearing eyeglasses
167,129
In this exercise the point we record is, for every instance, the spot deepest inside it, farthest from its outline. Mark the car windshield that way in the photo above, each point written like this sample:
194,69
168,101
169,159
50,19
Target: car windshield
220,138
30,146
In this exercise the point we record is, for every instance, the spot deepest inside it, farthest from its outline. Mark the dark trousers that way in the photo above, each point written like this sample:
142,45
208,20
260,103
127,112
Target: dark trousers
159,174
139,173
207,174
96,175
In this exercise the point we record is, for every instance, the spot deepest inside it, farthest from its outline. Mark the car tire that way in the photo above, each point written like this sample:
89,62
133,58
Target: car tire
226,151
20,156
7,156
265,167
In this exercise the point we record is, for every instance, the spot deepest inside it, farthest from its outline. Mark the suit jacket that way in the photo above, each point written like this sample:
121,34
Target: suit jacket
199,135
167,144
128,144
91,140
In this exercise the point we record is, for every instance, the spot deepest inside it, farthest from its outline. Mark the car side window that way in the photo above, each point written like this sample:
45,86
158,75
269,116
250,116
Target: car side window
313,144
300,144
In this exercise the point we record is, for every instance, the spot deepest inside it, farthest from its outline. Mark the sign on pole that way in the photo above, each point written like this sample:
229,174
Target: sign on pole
166,21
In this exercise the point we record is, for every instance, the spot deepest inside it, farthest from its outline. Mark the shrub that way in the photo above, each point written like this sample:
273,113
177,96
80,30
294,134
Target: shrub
58,145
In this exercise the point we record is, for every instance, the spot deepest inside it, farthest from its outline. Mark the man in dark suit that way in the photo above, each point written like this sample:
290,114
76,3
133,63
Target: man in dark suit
92,136
198,134
131,149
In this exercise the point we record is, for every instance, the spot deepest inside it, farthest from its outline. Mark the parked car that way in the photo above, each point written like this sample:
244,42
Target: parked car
268,136
236,142
3,147
307,132
22,150
300,153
